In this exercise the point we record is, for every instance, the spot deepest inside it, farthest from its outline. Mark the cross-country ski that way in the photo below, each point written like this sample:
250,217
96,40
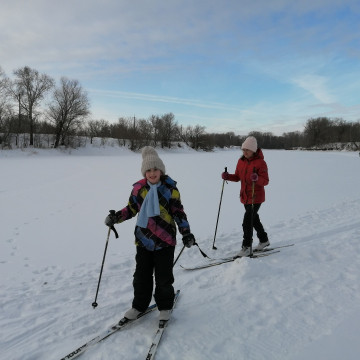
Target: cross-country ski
159,333
121,324
228,260
215,262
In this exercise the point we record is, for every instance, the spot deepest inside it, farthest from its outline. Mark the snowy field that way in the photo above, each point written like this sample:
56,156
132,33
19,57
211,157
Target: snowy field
302,303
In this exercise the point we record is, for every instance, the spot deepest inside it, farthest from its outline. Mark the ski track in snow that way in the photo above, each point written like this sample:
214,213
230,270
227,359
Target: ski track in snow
259,309
278,312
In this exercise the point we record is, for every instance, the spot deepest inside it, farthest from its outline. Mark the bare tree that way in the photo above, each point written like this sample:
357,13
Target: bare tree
6,106
5,112
198,132
120,130
185,135
98,128
132,132
168,129
156,125
3,80
317,131
145,130
292,139
69,107
4,93
193,136
29,88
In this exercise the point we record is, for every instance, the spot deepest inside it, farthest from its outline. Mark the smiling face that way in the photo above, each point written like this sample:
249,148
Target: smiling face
153,175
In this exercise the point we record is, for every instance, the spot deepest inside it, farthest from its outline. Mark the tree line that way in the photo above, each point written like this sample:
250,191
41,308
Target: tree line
35,111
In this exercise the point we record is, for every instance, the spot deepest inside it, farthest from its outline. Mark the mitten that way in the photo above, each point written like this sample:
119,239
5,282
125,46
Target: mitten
188,240
111,219
225,175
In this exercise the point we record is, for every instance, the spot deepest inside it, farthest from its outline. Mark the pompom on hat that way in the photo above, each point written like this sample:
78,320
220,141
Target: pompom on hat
151,160
250,143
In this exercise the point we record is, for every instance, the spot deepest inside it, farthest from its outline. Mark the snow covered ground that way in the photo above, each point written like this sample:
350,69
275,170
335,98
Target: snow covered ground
302,303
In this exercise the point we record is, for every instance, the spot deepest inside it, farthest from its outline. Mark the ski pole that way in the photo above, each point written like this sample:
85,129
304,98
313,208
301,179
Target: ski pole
202,253
179,255
95,304
217,220
252,212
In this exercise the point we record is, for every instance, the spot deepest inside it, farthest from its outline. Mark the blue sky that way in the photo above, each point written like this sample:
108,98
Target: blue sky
229,65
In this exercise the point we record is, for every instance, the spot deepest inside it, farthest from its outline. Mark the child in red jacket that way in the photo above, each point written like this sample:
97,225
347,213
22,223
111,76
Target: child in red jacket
252,171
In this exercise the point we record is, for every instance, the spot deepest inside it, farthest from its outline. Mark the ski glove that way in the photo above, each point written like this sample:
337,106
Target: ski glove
225,175
254,177
111,219
188,240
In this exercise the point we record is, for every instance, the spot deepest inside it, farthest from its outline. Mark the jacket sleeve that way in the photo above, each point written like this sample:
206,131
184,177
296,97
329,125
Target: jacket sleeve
178,213
236,177
132,208
233,177
262,172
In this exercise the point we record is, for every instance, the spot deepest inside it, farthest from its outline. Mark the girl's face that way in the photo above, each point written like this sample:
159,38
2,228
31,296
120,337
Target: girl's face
153,176
248,153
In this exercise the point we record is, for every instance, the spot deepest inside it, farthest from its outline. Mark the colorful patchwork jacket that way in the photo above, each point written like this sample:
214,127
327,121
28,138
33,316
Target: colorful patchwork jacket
161,230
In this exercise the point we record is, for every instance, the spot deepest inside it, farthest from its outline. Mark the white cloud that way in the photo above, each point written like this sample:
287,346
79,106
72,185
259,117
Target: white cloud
166,99
254,62
317,86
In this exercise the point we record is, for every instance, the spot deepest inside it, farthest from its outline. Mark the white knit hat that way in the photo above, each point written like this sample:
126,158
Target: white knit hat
151,160
250,143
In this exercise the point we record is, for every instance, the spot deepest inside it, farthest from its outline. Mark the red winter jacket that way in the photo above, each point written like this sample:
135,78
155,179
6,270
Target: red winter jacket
244,168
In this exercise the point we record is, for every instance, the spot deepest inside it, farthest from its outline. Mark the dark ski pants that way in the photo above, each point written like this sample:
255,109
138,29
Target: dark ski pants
248,231
159,263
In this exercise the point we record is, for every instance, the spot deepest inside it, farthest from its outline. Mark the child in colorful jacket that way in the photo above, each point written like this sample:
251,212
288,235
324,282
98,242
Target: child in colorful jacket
156,200
252,171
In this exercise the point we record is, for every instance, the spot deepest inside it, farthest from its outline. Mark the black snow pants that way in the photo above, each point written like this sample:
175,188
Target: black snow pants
248,231
150,264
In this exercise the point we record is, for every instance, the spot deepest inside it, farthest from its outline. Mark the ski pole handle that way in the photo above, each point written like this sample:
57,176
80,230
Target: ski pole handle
112,212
